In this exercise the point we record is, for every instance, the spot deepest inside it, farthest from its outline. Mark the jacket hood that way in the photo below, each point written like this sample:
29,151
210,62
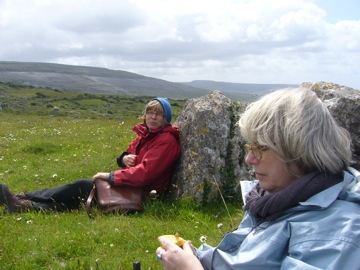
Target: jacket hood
347,190
355,187
351,189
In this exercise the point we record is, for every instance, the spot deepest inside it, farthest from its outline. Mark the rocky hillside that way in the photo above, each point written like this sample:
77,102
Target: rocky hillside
105,81
91,80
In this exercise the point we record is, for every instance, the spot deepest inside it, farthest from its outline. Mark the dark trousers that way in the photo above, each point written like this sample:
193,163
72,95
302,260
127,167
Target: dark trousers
62,198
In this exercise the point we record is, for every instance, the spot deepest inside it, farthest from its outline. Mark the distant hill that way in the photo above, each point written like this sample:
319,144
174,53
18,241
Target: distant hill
105,81
234,88
91,80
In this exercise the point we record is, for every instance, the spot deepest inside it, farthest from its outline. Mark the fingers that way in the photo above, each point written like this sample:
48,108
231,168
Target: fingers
101,175
159,253
97,175
165,243
174,257
166,246
189,248
130,160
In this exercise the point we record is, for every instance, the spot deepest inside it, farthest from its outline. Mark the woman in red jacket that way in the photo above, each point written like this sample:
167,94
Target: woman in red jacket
148,162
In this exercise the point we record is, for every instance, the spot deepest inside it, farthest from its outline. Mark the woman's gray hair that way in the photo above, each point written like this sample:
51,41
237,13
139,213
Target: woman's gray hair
299,128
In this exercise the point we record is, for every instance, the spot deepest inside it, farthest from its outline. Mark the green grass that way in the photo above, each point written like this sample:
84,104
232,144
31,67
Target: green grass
40,148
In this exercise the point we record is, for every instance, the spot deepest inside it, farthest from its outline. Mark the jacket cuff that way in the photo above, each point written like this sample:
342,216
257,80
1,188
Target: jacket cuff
111,178
119,160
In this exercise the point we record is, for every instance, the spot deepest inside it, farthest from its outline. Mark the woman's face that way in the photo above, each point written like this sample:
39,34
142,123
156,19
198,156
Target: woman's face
273,174
154,120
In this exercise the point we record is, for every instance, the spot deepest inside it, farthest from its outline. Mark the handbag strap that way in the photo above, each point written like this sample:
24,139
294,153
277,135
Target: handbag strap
89,200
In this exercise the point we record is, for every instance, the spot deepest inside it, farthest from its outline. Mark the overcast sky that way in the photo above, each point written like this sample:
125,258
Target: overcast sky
245,41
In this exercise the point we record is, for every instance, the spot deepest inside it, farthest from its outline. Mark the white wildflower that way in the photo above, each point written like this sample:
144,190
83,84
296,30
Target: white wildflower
54,175
203,238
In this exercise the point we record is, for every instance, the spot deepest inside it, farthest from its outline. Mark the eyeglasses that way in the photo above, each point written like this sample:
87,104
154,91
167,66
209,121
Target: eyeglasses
156,114
256,150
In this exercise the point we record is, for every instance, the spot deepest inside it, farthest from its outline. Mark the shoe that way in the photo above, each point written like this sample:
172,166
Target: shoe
21,196
13,204
3,200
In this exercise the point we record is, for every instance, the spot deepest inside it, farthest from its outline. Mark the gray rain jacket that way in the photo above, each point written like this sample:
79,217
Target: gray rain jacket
320,233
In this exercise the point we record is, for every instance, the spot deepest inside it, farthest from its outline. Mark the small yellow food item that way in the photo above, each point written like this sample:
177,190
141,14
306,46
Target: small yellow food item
176,239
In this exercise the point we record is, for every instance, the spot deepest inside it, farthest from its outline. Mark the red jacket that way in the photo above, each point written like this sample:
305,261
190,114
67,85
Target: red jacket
157,152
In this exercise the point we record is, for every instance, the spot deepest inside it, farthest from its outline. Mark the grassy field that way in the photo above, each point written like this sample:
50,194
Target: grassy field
48,138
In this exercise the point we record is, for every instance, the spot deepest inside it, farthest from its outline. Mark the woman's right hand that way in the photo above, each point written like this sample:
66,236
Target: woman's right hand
129,160
174,257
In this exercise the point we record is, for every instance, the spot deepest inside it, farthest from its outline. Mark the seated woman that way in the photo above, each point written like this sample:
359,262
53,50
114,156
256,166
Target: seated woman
304,213
148,163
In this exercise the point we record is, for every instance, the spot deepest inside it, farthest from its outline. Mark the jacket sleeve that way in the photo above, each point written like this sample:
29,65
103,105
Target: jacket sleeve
154,165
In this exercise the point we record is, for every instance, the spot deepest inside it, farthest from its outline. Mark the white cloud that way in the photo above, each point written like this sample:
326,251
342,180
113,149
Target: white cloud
279,41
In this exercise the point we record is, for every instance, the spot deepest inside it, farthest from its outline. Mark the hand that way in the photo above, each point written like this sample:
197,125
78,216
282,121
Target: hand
175,258
129,160
102,175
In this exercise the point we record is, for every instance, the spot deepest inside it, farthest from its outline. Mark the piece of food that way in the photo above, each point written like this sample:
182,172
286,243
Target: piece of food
176,239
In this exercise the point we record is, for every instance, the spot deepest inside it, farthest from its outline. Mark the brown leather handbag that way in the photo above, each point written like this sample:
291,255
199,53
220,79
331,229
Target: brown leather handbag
113,199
